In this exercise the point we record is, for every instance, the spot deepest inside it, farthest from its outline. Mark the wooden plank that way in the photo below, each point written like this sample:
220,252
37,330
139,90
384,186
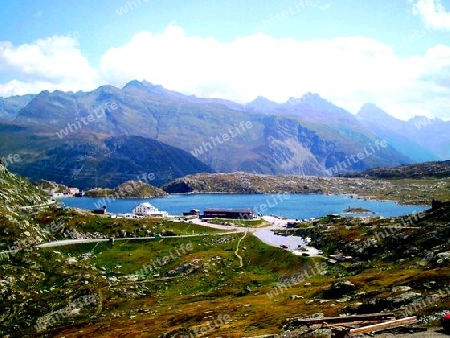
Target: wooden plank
382,326
337,320
349,325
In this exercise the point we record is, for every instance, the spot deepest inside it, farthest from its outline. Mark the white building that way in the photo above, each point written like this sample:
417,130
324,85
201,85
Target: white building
146,209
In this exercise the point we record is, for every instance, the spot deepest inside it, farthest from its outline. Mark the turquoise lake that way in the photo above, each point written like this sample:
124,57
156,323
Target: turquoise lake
291,206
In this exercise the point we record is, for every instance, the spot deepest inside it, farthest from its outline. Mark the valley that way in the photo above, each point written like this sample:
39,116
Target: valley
211,282
227,169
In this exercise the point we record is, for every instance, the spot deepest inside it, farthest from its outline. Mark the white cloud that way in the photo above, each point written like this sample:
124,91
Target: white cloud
432,13
52,63
348,71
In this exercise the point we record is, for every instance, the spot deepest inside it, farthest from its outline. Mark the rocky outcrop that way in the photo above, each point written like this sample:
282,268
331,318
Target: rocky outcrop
339,289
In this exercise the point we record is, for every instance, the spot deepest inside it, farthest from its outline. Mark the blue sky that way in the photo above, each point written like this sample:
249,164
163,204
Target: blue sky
395,54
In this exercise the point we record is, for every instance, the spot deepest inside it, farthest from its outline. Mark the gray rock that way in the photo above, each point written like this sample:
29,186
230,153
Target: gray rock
405,298
401,288
445,256
339,289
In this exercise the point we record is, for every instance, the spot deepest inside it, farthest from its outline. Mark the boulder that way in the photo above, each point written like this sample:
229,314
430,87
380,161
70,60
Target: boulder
339,289
443,255
407,297
71,261
401,288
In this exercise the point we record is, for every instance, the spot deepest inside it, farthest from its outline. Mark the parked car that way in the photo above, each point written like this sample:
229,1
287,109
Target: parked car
284,246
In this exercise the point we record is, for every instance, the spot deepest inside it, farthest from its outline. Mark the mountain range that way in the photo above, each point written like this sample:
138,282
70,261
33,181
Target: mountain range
111,135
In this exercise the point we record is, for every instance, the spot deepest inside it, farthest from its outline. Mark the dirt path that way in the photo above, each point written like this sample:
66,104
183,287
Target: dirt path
241,263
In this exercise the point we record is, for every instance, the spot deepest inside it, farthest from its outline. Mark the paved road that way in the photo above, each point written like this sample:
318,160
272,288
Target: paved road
265,234
70,242
96,240
49,202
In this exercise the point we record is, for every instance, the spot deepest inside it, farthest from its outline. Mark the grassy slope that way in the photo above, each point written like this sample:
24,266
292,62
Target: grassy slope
85,223
154,302
133,301
15,194
172,303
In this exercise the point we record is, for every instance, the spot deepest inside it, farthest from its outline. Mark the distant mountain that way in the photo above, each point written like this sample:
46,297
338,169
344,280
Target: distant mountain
110,162
435,169
432,134
306,136
261,104
420,138
10,107
326,119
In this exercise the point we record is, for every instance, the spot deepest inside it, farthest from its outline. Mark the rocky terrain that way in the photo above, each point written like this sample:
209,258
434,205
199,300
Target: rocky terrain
51,186
229,285
19,198
87,162
439,169
130,189
420,191
58,133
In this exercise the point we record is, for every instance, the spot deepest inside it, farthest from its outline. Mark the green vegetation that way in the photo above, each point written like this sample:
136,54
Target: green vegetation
176,285
99,192
130,189
86,223
17,192
435,169
205,278
357,211
249,223
420,191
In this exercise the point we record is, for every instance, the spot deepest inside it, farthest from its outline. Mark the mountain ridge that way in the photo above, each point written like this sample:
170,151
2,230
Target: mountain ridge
308,136
110,162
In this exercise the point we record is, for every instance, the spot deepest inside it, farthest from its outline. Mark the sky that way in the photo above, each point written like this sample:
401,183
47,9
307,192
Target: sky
394,53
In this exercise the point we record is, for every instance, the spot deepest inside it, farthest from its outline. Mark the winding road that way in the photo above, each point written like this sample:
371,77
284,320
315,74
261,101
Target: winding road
265,234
